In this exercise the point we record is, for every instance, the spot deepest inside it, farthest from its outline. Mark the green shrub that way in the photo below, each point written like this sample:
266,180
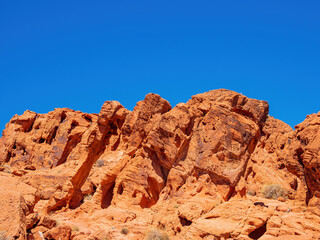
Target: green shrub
274,191
125,230
157,234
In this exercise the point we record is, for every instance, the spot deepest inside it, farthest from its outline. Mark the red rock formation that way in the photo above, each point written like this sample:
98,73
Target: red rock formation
205,169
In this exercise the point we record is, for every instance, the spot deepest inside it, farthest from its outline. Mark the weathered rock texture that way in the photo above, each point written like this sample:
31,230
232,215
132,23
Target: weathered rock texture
216,167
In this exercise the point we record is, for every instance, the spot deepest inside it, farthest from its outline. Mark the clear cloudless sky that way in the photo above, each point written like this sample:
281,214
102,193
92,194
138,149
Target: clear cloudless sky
78,54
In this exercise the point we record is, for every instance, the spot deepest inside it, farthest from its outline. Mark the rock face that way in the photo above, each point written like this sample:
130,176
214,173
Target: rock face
216,167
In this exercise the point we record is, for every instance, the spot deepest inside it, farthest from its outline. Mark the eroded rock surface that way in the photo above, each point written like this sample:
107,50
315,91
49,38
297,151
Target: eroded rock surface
216,167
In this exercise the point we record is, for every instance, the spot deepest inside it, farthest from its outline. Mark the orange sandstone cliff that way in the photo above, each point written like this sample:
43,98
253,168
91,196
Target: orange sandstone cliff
216,167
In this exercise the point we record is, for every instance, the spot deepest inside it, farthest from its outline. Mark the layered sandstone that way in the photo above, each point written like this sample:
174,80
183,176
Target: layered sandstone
216,167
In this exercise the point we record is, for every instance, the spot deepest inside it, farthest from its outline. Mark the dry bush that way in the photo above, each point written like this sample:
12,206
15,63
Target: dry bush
274,191
99,163
87,197
157,234
75,228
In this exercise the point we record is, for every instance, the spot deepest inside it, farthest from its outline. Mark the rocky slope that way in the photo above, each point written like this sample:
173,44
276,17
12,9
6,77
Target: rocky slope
216,167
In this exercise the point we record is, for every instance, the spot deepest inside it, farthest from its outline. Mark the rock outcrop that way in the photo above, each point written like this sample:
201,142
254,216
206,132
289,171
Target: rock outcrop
216,167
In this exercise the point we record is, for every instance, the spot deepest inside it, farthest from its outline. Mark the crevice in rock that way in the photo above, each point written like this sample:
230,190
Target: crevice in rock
236,99
183,151
33,226
74,124
94,187
308,196
165,134
31,126
113,129
115,146
144,202
156,161
107,195
203,235
298,154
63,117
232,192
67,150
249,171
120,189
88,118
282,166
243,113
259,232
153,191
134,195
154,187
120,123
294,184
184,221
52,135
165,173
188,130
8,156
71,144
297,169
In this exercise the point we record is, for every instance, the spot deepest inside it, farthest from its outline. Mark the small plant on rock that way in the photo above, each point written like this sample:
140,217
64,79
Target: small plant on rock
251,193
75,228
124,230
99,163
87,197
274,191
157,234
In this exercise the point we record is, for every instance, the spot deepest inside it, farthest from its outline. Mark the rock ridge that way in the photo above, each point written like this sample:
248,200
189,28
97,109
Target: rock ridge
194,171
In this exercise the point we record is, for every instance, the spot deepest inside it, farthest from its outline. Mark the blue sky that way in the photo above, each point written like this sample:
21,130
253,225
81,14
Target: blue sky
78,54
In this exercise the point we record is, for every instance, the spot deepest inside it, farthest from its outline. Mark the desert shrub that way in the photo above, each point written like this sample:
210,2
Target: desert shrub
274,191
251,193
75,228
99,163
7,168
157,234
87,197
124,230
